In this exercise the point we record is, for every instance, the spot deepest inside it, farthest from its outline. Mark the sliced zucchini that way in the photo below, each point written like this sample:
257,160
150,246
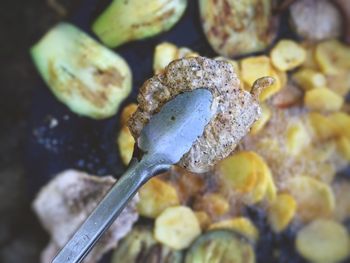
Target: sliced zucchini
220,246
89,78
140,246
124,21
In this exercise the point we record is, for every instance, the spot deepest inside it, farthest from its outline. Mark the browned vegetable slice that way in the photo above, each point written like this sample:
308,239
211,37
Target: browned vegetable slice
140,244
238,27
220,246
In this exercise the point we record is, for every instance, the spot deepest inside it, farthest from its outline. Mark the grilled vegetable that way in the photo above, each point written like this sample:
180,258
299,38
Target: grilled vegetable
220,246
316,19
140,246
126,144
238,172
90,79
323,126
237,27
332,57
323,241
125,140
177,227
343,146
246,173
281,212
341,121
253,68
155,196
240,225
323,99
163,55
307,79
287,55
124,21
314,198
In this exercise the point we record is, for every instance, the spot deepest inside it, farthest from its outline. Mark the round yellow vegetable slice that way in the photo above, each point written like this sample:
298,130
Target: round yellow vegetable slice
332,56
287,55
323,241
281,212
253,68
314,198
177,227
155,196
323,99
238,171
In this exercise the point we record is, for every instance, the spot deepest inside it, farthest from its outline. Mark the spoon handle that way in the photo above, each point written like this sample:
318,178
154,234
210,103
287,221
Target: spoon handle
108,209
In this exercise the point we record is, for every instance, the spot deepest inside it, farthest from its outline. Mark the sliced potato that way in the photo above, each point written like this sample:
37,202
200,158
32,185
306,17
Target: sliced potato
203,219
341,120
240,225
264,186
297,138
220,246
323,127
184,52
287,55
314,198
323,99
238,172
126,143
127,112
155,196
310,60
164,53
339,83
214,204
253,68
308,79
332,56
323,241
281,212
177,227
280,78
271,189
343,146
265,117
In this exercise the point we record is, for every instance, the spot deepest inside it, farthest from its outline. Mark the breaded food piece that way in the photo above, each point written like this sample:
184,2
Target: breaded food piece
67,201
235,109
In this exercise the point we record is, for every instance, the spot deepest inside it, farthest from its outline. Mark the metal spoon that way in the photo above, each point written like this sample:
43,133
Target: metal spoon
164,140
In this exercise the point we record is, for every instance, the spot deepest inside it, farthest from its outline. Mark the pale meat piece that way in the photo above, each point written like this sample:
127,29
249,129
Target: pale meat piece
316,20
235,109
66,202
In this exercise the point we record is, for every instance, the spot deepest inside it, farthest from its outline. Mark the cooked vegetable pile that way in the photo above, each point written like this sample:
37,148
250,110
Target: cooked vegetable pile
280,196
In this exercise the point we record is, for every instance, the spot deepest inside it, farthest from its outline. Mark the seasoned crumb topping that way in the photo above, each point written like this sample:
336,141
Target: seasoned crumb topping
236,109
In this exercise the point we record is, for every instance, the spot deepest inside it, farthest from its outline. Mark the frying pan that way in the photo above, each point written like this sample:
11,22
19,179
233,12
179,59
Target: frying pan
57,139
